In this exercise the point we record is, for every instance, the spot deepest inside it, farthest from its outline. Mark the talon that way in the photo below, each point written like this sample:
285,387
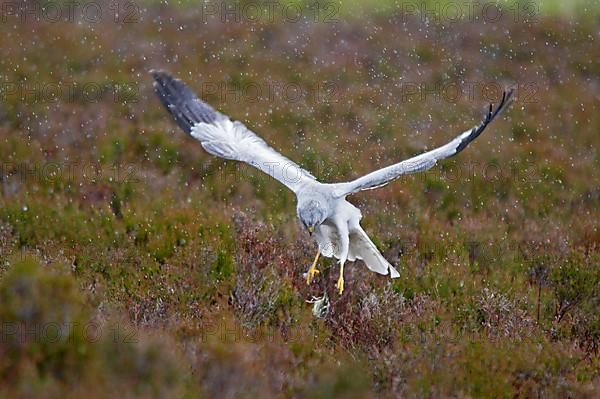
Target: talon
340,285
311,274
313,270
340,282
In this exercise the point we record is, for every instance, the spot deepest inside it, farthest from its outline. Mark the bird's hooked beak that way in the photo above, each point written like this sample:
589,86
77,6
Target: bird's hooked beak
310,230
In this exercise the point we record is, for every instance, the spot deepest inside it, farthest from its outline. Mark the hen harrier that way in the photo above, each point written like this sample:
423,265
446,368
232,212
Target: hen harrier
322,207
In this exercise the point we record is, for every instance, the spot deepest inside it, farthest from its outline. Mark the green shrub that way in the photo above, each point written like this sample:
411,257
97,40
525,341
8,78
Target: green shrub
49,346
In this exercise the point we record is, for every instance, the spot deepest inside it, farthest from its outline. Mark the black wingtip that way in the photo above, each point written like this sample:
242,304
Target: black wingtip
489,117
158,74
181,102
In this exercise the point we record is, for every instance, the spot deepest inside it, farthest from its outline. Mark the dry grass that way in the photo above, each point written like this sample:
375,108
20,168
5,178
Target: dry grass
111,217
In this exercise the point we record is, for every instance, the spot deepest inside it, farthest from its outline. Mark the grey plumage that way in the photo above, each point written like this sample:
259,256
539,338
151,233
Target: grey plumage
181,102
312,213
322,207
426,160
223,137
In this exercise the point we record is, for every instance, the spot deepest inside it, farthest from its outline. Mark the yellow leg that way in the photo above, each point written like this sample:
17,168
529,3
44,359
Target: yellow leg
313,269
340,282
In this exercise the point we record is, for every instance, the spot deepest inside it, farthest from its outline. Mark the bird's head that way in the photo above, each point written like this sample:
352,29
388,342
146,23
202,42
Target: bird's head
312,213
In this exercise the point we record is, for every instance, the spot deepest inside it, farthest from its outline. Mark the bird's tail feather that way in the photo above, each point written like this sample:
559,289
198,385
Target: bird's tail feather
361,247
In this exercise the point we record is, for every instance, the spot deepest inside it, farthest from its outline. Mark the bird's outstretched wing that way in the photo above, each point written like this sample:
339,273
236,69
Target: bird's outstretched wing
423,161
222,136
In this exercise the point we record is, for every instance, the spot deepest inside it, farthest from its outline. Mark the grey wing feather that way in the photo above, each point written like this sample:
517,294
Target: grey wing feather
223,137
423,161
181,102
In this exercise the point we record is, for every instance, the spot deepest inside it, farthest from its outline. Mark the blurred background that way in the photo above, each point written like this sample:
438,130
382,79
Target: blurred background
133,264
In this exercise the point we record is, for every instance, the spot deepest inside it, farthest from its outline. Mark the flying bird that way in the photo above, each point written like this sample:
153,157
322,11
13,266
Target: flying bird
330,219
